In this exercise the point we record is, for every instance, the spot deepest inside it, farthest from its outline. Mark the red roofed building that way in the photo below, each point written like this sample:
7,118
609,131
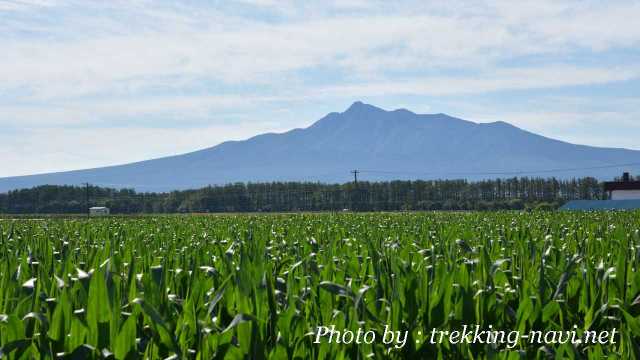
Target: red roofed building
623,190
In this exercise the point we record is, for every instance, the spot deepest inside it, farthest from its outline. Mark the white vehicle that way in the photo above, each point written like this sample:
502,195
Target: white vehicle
98,211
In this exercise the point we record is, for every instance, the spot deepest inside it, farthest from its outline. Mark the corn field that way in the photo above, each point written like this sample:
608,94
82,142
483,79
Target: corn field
254,286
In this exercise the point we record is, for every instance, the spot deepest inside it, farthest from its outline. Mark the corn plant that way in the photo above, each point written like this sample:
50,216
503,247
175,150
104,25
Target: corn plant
259,286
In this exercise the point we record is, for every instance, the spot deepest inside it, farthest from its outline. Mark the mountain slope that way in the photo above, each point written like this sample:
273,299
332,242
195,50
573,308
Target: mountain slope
397,144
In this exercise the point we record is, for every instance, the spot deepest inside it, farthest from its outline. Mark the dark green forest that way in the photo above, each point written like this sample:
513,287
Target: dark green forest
512,193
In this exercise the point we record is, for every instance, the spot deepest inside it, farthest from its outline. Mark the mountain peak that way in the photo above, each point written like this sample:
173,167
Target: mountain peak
359,106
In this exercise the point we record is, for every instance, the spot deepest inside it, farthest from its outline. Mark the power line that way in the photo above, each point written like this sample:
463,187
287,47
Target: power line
519,172
390,172
270,189
205,182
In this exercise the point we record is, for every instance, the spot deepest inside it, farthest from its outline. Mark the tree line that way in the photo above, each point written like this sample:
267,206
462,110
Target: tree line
512,193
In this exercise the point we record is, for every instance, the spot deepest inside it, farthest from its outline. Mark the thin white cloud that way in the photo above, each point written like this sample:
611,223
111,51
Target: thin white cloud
23,5
497,80
118,61
245,51
93,113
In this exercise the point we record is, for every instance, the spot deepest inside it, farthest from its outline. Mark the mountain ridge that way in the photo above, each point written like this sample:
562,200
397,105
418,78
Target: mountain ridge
400,144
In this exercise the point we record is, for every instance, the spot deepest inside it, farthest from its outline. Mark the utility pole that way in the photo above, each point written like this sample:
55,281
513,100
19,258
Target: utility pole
86,198
355,176
356,199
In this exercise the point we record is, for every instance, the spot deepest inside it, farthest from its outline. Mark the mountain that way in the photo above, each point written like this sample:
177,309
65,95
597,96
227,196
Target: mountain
395,144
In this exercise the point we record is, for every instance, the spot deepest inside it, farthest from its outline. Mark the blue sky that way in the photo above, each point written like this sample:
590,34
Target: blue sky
86,84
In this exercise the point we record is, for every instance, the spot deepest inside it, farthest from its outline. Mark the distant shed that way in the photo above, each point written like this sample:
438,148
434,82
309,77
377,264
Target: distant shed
601,205
623,190
624,195
98,210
